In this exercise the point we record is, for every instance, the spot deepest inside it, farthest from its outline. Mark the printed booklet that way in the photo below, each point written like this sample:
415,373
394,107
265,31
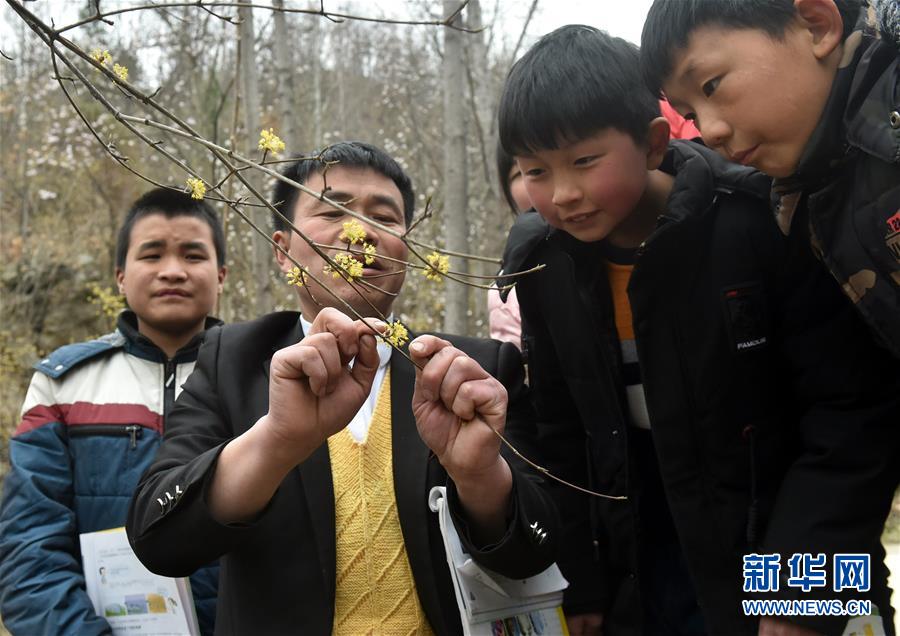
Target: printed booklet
128,595
493,605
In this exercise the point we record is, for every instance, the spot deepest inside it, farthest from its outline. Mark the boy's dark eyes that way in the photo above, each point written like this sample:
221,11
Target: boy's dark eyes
581,161
710,87
534,172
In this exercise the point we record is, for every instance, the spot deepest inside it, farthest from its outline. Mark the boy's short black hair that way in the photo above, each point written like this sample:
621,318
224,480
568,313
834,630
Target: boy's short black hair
505,163
573,83
670,23
347,154
170,203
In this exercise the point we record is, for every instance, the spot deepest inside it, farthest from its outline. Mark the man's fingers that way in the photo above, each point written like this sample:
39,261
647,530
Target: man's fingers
434,366
345,331
300,362
462,369
423,347
366,364
485,397
316,357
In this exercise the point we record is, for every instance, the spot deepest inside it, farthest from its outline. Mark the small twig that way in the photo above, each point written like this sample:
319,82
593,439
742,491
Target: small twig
328,15
547,473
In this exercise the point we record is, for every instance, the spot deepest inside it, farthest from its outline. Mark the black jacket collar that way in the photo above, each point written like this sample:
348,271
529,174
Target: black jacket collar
137,344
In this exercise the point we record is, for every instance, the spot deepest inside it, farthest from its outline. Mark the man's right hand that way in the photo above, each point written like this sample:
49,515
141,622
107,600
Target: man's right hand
313,392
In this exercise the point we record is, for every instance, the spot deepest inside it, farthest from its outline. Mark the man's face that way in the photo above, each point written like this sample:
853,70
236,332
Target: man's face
171,278
589,187
755,99
372,195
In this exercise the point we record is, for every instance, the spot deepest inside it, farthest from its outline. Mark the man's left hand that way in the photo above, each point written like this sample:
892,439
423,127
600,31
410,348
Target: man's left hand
458,406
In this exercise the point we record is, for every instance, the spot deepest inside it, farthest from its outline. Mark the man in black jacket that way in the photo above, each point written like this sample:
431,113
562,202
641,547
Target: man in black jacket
308,473
684,353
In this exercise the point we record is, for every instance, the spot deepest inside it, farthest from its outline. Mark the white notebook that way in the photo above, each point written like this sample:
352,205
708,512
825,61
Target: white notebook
129,596
491,604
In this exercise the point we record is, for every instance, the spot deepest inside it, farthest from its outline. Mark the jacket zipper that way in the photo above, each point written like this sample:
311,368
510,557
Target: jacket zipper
133,431
168,389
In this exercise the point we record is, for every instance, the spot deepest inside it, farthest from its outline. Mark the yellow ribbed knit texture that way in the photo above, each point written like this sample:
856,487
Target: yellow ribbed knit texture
375,591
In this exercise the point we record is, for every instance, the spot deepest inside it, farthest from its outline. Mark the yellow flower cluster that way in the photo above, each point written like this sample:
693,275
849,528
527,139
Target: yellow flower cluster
111,304
197,188
438,265
350,268
101,56
370,253
353,232
297,277
121,72
395,334
269,141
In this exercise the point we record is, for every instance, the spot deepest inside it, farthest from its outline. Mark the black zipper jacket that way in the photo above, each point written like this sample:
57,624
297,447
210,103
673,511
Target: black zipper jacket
849,179
774,416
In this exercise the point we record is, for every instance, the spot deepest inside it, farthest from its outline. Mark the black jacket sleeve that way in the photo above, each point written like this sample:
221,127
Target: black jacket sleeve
533,524
171,496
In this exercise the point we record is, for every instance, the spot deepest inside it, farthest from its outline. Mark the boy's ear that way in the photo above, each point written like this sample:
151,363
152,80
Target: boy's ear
223,271
657,142
120,280
823,21
283,238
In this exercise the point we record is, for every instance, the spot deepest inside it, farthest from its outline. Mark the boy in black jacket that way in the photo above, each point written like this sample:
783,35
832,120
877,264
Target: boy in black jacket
687,355
808,92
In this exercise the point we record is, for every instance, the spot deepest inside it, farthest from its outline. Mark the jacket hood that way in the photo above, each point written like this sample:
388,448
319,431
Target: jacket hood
887,20
700,175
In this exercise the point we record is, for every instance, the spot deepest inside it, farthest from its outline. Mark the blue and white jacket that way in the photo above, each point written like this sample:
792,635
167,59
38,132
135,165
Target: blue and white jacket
92,420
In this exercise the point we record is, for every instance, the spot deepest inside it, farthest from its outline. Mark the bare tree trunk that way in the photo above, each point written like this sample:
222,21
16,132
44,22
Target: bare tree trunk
284,65
455,177
480,92
262,253
25,216
483,213
317,85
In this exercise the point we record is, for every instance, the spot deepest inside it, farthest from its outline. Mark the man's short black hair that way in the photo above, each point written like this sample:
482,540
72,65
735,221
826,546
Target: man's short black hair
170,203
670,23
573,83
347,154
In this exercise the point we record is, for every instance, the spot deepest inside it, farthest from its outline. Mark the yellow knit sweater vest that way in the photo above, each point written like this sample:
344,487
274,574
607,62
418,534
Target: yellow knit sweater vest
375,592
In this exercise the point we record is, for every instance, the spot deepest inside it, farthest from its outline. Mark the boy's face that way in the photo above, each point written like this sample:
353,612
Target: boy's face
589,187
171,278
372,195
755,99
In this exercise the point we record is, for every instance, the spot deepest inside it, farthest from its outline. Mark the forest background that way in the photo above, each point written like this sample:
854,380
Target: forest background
230,72
424,92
